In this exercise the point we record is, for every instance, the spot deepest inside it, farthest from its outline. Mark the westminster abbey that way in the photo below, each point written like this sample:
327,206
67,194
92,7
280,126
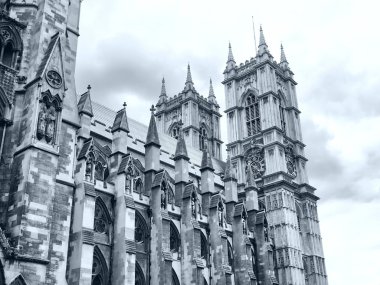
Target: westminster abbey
90,196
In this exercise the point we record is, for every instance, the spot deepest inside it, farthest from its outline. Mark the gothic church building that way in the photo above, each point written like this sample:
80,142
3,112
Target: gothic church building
90,196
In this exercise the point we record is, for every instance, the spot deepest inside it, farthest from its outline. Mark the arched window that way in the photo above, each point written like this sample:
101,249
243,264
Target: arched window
99,268
102,218
175,240
202,138
252,115
141,233
8,55
230,256
3,104
175,280
299,216
175,131
139,275
99,171
282,115
138,185
204,247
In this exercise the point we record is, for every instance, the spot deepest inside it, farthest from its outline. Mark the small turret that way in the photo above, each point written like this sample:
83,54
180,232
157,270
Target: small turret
181,160
85,115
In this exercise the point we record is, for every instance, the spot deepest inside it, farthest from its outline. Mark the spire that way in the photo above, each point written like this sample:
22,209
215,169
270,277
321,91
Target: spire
229,173
206,161
121,120
181,151
230,55
262,38
84,104
283,57
152,135
189,85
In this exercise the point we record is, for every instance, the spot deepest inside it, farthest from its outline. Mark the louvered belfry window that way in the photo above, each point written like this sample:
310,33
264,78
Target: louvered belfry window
252,115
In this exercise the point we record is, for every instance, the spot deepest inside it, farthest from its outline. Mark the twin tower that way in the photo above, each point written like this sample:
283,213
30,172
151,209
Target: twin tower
90,196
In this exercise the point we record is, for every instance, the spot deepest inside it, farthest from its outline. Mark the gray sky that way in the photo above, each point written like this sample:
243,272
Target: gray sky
333,48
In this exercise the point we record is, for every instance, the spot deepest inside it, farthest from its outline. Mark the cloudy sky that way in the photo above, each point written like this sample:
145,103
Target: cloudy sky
126,47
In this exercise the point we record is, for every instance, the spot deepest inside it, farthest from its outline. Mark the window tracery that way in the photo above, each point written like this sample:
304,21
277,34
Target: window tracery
254,159
290,161
202,138
10,46
252,115
141,233
102,221
174,239
99,268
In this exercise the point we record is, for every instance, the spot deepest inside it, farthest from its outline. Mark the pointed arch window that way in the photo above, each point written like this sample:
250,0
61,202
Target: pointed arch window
102,218
163,195
282,115
139,275
204,248
141,233
99,268
174,239
252,115
202,138
230,256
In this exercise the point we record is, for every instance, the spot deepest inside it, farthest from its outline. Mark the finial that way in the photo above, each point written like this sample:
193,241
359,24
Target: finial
88,87
180,124
283,57
124,105
152,109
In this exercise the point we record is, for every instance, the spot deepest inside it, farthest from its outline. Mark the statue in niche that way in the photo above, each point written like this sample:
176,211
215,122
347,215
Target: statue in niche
220,214
244,223
50,124
193,206
163,197
41,125
88,174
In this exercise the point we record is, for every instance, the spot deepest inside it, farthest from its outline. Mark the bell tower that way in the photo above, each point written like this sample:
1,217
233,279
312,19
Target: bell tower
200,116
264,140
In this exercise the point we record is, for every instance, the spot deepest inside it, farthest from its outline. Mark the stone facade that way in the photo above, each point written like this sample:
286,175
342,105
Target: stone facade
90,196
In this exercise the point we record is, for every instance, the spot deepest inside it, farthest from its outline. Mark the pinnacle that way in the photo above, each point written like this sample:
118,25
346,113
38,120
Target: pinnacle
188,78
230,55
181,151
262,38
211,92
163,88
283,57
206,161
152,135
228,173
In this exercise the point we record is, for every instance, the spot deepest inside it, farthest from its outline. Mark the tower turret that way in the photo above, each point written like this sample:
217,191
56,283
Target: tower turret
163,96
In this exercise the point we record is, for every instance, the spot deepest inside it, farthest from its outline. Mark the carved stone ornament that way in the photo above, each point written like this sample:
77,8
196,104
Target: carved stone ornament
54,79
290,161
255,159
47,117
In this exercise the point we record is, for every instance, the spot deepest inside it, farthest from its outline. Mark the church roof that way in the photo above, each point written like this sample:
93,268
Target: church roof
102,123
